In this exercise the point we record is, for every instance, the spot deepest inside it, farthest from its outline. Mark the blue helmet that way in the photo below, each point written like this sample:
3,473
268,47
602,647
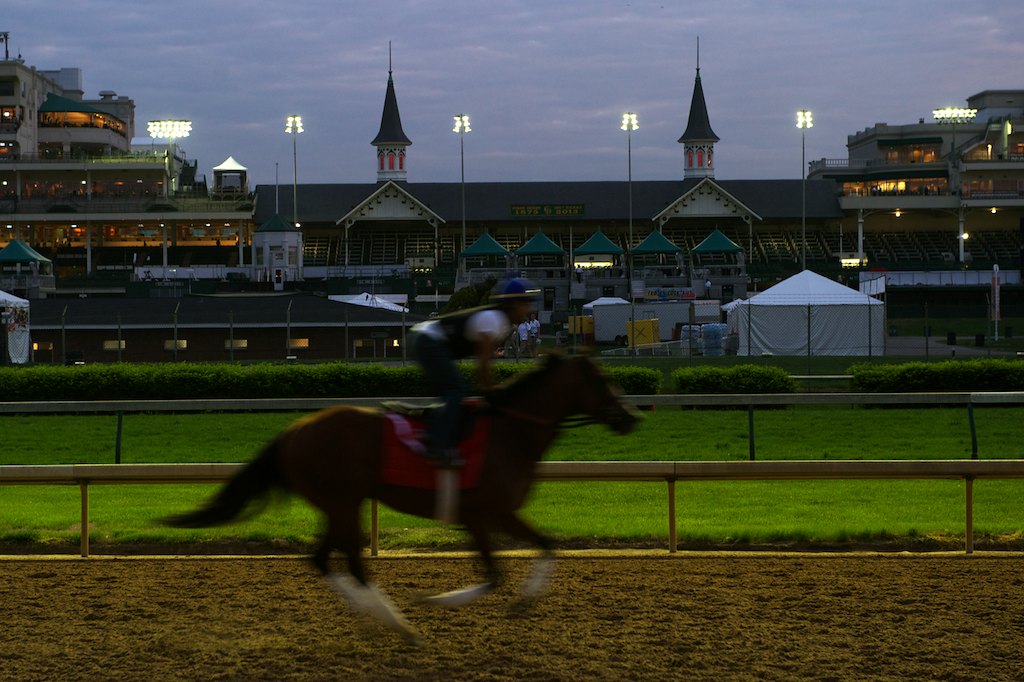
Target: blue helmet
515,289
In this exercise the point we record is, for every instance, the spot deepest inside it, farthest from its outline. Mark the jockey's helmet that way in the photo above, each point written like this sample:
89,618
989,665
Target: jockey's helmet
515,290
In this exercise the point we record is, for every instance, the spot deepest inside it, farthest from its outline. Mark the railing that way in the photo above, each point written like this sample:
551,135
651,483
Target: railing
669,472
83,475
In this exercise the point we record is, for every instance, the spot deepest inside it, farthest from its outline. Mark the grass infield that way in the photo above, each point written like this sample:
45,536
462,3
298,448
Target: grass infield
820,514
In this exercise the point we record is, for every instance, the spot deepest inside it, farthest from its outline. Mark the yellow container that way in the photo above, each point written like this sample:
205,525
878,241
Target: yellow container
643,331
581,324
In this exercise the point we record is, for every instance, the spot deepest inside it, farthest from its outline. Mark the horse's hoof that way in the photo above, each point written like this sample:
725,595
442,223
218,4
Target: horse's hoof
457,598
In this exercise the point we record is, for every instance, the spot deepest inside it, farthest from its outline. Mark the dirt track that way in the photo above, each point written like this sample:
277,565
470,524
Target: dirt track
627,618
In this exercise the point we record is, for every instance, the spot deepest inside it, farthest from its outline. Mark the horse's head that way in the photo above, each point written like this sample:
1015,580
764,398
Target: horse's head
597,397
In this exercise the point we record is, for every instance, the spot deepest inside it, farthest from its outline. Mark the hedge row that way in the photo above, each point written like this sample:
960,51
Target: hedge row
933,377
343,380
195,381
738,379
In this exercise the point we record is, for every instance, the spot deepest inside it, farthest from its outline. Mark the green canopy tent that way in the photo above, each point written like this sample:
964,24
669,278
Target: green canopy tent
716,242
597,245
541,252
17,254
656,244
484,247
655,251
485,252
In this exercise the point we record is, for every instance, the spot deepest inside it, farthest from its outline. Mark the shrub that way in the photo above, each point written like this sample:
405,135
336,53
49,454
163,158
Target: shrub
738,379
982,374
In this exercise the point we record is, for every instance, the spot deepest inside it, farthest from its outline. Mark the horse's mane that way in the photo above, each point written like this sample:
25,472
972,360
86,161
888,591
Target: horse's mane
513,390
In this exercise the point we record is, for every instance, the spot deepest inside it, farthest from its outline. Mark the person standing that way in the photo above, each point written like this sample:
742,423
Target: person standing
523,334
534,325
437,344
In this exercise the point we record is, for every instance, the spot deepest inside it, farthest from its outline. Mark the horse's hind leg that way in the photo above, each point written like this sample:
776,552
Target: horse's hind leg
362,596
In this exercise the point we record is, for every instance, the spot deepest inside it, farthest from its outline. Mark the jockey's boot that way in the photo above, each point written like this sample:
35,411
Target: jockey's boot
446,502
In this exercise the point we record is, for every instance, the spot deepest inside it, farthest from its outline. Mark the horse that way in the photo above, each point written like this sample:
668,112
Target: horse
334,459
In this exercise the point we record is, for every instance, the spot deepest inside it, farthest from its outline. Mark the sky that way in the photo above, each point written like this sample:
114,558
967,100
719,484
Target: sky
545,83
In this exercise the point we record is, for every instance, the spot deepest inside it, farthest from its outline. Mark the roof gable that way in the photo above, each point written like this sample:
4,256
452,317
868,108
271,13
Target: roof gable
390,201
706,199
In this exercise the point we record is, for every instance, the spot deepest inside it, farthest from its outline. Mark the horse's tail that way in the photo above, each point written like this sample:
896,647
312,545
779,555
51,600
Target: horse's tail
252,484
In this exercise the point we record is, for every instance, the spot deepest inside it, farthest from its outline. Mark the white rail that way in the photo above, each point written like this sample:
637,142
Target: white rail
84,475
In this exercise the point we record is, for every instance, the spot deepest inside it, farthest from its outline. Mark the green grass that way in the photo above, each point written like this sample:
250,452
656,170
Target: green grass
903,513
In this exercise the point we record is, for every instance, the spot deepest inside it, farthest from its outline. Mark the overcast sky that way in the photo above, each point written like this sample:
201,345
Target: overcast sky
545,82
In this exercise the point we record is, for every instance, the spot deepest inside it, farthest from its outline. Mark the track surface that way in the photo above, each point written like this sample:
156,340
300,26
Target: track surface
629,617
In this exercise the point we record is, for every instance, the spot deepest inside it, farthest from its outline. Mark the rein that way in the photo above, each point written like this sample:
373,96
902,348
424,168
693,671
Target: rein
567,423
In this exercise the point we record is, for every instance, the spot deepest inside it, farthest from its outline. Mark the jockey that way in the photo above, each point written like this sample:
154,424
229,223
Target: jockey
437,344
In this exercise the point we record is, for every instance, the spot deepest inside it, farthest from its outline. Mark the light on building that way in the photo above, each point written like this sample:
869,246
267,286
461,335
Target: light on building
954,114
898,213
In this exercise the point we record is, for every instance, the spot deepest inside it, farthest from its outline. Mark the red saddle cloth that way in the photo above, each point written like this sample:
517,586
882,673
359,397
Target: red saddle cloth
405,462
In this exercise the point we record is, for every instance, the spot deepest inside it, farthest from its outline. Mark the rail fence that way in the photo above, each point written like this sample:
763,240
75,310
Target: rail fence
668,472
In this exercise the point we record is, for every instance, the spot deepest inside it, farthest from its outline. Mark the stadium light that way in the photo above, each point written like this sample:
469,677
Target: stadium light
804,120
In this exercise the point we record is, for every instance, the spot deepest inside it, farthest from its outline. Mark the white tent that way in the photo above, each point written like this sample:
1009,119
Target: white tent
15,326
604,300
383,301
808,314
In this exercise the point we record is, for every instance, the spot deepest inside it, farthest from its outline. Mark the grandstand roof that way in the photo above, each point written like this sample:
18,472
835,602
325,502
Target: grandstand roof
526,201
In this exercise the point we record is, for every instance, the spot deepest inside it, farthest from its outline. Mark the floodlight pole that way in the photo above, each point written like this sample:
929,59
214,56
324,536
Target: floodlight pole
462,127
293,126
629,124
954,116
804,120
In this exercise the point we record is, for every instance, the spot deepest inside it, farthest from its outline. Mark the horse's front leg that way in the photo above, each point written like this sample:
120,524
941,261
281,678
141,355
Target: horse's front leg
537,581
492,577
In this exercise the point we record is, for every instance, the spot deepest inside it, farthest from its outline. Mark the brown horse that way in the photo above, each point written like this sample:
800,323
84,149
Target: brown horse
334,458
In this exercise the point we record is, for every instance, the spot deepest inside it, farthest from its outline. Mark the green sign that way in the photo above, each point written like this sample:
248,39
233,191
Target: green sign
547,210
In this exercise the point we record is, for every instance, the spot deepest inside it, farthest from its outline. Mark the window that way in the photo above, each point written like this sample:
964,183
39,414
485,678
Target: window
391,161
298,344
236,344
113,344
169,344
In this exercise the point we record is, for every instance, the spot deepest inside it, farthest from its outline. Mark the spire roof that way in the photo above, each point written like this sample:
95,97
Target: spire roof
698,128
390,122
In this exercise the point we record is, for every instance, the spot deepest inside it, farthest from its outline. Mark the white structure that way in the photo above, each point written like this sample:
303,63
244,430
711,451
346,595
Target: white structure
14,318
277,253
808,314
393,302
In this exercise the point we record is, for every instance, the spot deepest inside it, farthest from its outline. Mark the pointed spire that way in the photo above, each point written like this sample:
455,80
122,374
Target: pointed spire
391,140
698,139
698,127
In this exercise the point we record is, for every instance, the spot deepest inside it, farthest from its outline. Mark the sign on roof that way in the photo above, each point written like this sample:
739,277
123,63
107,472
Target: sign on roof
547,210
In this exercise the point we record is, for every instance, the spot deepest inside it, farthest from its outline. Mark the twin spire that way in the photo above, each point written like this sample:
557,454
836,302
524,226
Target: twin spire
391,140
698,139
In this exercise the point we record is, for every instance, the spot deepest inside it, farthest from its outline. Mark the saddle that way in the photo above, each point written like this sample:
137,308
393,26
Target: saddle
404,461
